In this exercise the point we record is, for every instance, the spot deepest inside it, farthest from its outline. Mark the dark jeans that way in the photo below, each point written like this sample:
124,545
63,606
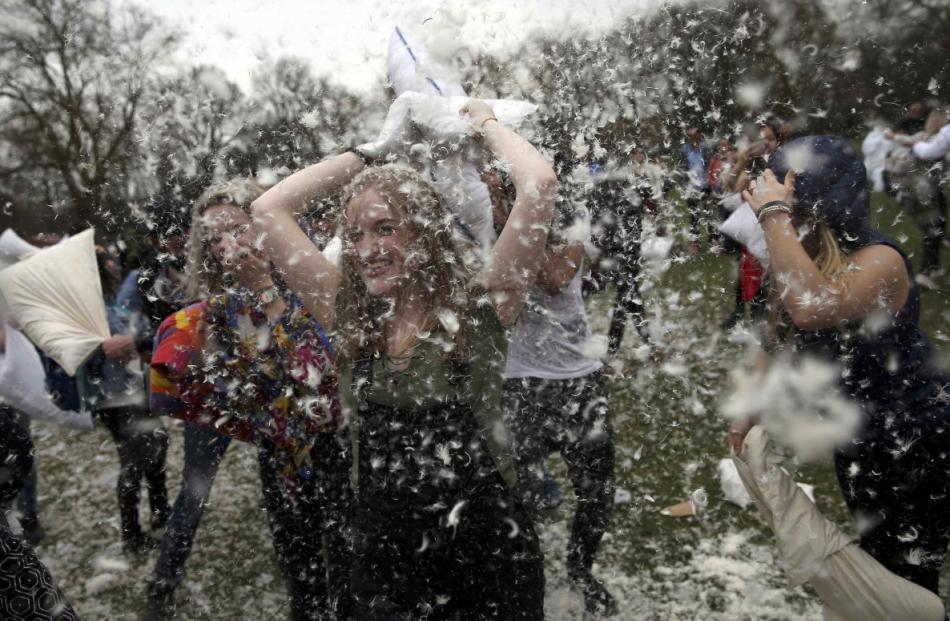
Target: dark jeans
930,215
26,501
295,527
27,591
142,444
204,449
571,417
934,227
321,506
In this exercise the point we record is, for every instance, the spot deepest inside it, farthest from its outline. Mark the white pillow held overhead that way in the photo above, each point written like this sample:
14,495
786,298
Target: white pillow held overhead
13,248
428,96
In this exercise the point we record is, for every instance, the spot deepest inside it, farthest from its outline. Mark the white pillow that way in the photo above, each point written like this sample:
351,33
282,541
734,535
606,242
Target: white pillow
411,69
743,226
55,297
440,115
429,97
13,248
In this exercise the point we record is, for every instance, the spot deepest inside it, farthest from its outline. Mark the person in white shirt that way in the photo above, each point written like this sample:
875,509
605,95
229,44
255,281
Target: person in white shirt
555,399
935,145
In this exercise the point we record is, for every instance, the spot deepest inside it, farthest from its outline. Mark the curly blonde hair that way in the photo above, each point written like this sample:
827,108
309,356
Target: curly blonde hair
438,272
203,274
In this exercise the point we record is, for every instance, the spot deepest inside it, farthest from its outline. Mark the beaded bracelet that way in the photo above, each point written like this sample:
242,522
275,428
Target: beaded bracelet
772,207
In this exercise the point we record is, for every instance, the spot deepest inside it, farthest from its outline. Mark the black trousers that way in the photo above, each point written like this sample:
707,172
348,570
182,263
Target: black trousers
929,212
571,417
934,227
901,503
628,303
142,444
699,208
16,456
27,590
315,518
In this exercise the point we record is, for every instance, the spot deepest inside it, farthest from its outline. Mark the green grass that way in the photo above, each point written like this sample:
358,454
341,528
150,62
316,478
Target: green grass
669,439
670,436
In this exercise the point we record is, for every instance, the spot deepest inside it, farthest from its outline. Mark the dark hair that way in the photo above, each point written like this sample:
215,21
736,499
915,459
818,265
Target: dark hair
108,279
830,186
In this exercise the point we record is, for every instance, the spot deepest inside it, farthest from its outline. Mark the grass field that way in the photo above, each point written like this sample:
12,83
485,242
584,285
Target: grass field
717,565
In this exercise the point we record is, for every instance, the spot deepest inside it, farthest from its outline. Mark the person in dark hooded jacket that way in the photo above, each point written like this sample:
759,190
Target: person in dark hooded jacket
846,293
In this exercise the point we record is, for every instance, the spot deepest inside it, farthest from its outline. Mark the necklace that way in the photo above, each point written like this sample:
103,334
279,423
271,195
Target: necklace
400,362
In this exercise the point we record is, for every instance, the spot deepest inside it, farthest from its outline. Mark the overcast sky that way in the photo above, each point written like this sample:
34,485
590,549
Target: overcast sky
347,39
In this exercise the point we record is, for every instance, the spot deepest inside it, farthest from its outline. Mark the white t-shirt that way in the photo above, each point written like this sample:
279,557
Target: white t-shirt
551,337
936,147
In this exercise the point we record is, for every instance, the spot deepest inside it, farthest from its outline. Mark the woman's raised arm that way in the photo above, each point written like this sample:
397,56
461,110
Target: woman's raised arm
314,279
517,254
876,279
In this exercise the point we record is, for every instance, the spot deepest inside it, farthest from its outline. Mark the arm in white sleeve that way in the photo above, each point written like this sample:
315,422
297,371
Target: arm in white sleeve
936,147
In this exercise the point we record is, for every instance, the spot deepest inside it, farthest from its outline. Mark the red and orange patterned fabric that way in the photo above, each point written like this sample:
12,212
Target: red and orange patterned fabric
221,364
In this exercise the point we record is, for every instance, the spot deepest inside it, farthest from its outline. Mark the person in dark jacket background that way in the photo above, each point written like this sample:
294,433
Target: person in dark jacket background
115,395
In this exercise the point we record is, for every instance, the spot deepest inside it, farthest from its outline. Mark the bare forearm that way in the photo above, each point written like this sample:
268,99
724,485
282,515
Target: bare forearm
530,172
308,273
802,284
295,194
516,256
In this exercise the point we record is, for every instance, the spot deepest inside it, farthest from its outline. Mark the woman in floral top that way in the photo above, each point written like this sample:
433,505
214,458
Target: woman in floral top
251,364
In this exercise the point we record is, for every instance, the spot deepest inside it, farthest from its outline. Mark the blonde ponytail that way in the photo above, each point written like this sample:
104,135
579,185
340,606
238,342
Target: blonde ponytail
832,264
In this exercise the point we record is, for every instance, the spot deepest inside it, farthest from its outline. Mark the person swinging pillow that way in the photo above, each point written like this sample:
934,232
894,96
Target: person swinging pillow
439,531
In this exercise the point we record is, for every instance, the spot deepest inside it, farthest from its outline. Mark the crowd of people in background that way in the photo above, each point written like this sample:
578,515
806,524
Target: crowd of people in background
404,398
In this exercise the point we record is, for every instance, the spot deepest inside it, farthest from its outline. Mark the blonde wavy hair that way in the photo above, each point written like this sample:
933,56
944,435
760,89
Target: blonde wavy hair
435,264
203,274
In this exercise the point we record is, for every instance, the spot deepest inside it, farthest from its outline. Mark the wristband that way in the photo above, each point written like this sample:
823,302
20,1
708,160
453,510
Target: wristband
481,126
772,207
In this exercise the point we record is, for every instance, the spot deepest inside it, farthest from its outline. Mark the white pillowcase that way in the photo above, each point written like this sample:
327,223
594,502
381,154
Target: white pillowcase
744,227
55,298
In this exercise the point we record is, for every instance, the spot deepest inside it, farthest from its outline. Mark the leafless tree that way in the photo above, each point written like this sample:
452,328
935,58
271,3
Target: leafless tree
72,77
